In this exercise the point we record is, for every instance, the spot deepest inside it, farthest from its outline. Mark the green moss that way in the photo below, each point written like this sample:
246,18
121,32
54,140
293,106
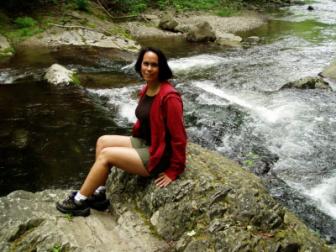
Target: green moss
7,52
251,157
147,222
75,80
56,248
122,32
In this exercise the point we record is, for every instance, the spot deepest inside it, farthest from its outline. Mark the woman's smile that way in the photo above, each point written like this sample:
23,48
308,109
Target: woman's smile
150,67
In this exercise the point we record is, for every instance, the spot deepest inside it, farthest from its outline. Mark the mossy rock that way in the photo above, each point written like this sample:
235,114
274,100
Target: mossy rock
216,205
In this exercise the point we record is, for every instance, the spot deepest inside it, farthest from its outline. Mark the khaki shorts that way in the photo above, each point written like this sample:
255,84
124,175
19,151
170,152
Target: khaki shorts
141,148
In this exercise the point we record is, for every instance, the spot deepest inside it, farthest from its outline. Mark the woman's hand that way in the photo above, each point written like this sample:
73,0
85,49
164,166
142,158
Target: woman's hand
163,180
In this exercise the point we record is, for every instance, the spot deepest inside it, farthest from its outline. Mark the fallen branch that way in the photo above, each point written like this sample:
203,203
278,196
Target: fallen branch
112,17
81,27
104,9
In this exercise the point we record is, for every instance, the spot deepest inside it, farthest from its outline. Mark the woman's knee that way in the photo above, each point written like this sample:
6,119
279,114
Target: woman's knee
101,141
106,156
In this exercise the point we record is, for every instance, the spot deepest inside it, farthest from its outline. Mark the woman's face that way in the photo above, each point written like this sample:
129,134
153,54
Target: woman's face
150,67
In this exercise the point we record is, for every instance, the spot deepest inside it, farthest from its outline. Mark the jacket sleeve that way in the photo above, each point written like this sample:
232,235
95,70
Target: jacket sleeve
173,109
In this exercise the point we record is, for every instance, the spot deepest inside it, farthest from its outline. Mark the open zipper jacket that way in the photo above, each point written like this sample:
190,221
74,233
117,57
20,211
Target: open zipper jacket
166,115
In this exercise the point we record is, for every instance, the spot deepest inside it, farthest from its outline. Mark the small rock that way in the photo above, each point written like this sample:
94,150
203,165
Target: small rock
168,23
310,8
59,75
307,83
253,39
228,39
201,32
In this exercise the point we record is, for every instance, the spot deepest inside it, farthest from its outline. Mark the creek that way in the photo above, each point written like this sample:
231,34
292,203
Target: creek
232,104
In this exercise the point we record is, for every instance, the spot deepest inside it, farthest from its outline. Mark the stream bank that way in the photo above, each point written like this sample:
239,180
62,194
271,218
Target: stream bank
233,105
215,206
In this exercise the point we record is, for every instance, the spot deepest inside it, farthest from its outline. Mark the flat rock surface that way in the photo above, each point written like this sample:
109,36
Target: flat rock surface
30,221
219,24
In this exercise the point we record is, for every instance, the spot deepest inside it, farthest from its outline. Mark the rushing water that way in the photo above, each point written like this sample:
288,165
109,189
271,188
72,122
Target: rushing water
232,104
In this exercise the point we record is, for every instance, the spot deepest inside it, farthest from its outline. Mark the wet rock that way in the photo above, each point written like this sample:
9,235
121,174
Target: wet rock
253,39
146,218
59,75
228,39
329,71
5,48
214,206
301,206
308,83
81,37
201,32
20,138
30,222
167,22
310,8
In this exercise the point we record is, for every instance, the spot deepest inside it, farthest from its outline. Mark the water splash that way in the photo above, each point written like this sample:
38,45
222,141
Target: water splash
123,99
270,116
195,63
323,194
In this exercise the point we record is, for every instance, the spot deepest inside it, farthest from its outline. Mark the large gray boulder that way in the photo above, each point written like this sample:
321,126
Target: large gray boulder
201,32
215,206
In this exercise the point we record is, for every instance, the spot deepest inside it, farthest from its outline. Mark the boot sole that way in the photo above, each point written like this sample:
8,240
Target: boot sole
83,212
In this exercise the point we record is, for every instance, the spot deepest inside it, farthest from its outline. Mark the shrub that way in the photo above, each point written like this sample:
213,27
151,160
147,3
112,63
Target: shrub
82,5
25,22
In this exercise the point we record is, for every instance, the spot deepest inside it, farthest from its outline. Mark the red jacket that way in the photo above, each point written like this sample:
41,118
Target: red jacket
166,107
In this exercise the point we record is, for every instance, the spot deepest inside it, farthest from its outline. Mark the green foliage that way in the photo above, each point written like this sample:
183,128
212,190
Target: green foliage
24,5
68,217
23,27
127,6
7,52
25,22
223,7
56,248
74,80
251,157
82,5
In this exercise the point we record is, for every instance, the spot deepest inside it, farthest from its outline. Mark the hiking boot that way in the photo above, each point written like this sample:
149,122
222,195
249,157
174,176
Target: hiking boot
98,201
75,208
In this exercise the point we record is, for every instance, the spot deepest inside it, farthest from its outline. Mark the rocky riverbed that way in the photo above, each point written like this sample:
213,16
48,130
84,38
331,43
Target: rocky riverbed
215,206
123,36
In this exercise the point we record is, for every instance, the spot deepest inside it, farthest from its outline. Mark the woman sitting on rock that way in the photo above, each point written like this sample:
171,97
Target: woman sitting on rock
157,146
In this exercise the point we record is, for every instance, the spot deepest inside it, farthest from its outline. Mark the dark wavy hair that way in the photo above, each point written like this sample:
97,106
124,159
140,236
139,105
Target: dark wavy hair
165,72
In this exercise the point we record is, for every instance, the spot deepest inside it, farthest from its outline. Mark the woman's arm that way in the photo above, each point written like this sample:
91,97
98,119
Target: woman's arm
173,109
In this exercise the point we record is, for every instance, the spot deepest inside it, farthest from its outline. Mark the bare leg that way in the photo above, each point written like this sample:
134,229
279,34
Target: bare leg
122,157
106,141
112,141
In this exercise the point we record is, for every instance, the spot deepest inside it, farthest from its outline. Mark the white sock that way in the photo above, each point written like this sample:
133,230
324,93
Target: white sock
99,189
79,197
